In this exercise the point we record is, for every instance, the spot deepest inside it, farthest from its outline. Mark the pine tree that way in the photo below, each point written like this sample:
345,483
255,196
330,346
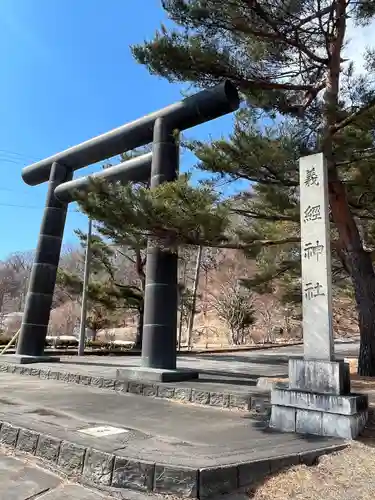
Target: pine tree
301,96
108,291
287,57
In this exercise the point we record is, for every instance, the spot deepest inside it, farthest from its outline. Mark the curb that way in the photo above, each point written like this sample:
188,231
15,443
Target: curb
101,469
238,349
259,402
108,352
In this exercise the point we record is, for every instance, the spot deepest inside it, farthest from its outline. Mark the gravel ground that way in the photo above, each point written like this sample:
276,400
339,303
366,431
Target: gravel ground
346,475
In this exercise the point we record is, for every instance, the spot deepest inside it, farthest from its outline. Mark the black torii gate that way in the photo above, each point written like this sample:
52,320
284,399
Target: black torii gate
160,314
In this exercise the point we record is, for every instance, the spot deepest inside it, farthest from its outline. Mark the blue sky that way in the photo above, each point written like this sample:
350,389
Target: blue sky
67,74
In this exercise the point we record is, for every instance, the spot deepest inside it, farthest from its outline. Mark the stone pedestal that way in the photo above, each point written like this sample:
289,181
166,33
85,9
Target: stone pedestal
318,401
25,359
144,374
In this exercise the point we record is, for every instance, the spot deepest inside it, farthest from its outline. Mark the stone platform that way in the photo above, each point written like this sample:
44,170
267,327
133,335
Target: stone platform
226,381
318,401
116,440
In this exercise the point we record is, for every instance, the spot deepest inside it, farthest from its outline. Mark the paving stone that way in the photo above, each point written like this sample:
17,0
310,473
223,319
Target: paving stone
35,372
179,481
165,392
8,434
85,380
135,387
121,386
200,397
219,399
217,481
108,383
44,374
259,404
183,394
27,440
74,378
279,463
64,376
98,467
54,375
48,448
252,472
150,390
97,381
240,402
72,492
133,474
71,457
23,482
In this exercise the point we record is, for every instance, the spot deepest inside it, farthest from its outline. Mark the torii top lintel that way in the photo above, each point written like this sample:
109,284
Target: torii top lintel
194,110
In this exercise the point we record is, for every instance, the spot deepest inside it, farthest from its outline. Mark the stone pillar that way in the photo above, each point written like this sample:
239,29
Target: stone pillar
30,347
317,399
159,345
160,314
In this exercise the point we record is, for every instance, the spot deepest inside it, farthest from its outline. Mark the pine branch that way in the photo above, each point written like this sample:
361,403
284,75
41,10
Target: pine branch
368,153
317,15
253,244
267,85
262,14
353,116
254,215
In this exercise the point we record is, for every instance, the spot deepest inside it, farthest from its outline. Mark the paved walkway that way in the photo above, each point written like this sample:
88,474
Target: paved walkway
20,480
184,435
182,447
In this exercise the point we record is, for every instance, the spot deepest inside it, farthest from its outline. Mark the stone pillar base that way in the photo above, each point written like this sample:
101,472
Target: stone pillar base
140,374
318,401
25,359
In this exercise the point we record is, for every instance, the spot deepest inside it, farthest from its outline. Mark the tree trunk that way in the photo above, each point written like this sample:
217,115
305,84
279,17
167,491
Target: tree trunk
194,296
140,267
350,249
358,264
139,336
363,278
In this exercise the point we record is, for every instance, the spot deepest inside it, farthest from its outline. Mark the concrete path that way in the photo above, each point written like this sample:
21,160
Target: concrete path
171,433
22,480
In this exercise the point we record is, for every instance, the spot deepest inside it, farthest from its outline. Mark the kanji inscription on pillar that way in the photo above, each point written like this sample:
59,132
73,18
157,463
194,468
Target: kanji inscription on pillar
316,259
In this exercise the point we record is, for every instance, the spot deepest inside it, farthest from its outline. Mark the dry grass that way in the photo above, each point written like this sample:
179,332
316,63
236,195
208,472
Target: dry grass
346,475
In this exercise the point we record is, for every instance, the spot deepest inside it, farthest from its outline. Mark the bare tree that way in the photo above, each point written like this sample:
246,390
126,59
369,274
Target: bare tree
235,306
21,263
266,308
9,284
64,319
